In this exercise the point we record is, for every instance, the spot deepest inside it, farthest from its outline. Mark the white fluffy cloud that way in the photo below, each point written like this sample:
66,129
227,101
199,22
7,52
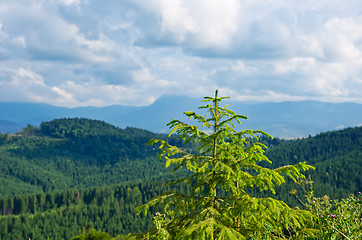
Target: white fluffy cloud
130,52
203,23
24,85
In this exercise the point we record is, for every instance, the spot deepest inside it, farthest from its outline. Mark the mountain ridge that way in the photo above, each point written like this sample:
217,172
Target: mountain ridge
289,119
79,152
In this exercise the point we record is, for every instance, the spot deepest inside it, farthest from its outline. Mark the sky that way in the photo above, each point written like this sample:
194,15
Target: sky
131,52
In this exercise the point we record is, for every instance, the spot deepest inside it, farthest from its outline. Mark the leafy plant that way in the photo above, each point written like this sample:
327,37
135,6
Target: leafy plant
334,219
92,234
224,169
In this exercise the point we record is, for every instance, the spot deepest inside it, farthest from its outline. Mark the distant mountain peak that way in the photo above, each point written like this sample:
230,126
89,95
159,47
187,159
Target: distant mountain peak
280,119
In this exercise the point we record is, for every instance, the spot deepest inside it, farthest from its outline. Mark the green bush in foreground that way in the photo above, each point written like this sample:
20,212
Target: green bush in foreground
227,165
92,234
333,219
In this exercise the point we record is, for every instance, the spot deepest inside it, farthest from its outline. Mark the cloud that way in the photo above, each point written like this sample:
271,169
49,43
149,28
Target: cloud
70,2
47,36
24,85
11,46
342,38
78,53
254,29
95,92
200,24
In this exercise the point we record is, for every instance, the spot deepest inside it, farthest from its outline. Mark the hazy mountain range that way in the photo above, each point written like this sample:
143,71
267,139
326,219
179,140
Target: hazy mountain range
282,119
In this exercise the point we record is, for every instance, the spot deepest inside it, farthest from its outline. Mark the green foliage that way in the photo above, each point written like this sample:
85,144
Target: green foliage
336,155
76,153
334,219
3,138
93,235
30,130
226,166
73,127
89,153
60,215
94,153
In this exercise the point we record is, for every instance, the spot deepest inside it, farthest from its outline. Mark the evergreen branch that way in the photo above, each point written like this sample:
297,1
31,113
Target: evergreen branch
224,158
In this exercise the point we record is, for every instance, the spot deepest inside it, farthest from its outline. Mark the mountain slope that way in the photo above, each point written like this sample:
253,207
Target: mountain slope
337,156
75,153
283,120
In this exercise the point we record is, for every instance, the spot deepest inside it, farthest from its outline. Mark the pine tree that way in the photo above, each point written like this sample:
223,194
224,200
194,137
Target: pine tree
222,173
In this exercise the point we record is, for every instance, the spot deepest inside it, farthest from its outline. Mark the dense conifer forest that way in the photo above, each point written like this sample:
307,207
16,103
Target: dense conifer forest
60,178
64,214
76,153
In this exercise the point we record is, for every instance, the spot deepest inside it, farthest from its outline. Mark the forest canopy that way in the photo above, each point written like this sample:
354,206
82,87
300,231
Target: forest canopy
44,168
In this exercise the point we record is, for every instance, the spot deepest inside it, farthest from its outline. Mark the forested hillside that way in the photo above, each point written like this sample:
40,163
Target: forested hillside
79,153
75,153
63,214
66,174
336,155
